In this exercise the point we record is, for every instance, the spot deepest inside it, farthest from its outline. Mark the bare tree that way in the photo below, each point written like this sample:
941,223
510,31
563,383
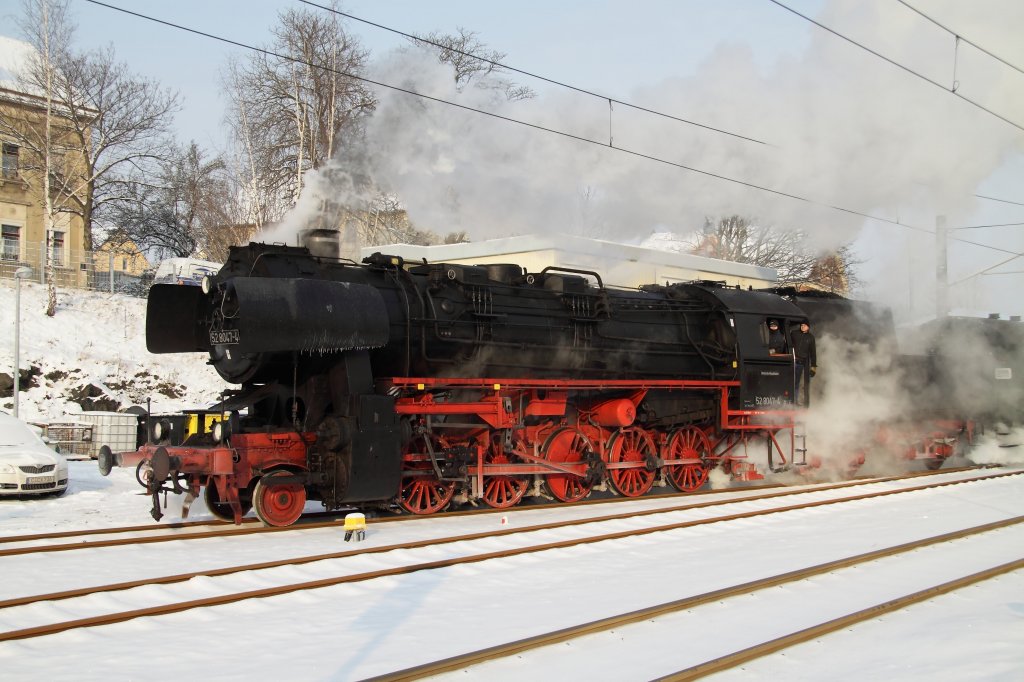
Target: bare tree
182,211
383,220
739,240
126,134
473,62
460,237
835,272
111,123
292,113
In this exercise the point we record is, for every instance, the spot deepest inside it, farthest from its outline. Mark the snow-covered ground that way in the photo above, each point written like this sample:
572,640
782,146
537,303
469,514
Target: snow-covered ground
94,339
356,630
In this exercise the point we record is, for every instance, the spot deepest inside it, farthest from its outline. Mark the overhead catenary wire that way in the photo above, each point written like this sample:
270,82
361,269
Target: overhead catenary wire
959,36
986,270
952,91
508,119
1005,201
978,227
610,100
534,126
986,246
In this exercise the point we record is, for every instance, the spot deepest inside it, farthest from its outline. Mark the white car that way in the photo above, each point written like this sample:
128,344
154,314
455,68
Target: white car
27,465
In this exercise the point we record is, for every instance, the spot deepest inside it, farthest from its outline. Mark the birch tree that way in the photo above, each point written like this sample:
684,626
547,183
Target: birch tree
295,106
45,26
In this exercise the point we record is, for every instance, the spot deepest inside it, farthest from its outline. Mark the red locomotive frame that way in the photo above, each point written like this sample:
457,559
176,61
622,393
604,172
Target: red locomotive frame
513,435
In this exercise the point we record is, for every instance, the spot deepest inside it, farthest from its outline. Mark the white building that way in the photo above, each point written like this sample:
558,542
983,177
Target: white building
618,265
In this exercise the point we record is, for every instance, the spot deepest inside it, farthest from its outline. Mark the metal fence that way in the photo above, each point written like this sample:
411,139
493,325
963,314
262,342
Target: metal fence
75,269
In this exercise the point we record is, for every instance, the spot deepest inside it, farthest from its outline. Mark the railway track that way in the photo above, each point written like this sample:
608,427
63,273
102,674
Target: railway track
62,541
530,539
464,663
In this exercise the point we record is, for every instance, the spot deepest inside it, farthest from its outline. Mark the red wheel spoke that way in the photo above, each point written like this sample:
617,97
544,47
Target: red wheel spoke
567,446
632,446
501,491
690,442
420,491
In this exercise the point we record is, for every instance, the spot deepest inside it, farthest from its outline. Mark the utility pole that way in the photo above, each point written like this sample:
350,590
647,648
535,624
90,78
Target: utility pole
941,271
19,274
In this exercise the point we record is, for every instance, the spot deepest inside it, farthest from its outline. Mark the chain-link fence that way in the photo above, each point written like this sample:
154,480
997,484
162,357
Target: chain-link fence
109,271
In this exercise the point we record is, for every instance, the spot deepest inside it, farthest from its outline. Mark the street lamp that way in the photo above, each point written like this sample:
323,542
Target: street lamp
19,274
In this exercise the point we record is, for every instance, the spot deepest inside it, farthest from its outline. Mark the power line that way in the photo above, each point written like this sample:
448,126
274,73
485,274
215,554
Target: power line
957,35
896,64
986,270
1005,201
411,36
987,246
978,227
529,125
508,119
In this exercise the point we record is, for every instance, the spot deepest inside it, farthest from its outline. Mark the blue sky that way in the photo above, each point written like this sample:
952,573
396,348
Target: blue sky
850,130
609,47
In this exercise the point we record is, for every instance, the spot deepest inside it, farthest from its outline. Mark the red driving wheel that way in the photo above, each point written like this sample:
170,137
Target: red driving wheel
692,443
502,490
567,446
421,491
634,446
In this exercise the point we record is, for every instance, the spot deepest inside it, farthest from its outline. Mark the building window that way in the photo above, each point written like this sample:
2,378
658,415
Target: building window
10,160
124,264
57,244
11,242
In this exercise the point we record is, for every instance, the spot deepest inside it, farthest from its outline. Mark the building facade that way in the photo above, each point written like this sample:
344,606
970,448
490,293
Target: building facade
24,237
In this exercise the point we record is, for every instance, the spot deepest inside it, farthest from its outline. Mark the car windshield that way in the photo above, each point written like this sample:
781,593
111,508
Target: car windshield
13,434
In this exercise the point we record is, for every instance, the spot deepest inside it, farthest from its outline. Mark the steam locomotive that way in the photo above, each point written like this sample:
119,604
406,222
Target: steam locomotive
419,385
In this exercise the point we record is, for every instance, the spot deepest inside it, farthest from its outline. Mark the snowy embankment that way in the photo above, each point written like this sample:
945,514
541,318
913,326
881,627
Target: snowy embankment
92,355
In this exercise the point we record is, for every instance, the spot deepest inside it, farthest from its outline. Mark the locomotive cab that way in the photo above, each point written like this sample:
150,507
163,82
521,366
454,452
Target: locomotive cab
766,378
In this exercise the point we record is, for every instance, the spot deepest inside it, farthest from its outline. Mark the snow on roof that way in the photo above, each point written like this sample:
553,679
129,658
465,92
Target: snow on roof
14,57
564,243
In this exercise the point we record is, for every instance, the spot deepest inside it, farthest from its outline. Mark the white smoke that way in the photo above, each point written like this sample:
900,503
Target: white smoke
847,129
857,390
325,195
1000,445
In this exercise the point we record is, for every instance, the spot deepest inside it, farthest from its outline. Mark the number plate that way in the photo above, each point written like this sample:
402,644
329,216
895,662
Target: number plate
41,479
224,337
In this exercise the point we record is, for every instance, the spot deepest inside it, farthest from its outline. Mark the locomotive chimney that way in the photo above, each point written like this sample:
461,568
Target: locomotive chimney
322,243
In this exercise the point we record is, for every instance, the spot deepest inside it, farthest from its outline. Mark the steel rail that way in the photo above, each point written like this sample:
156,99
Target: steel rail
604,624
106,619
801,636
295,561
304,520
6,539
228,529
